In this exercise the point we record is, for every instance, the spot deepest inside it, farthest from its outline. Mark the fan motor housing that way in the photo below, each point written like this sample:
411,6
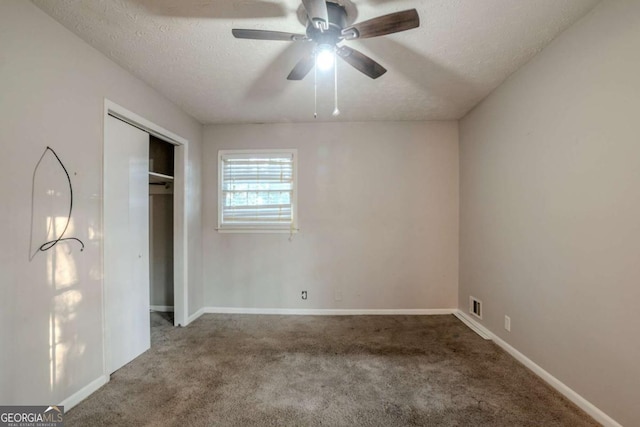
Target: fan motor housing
337,21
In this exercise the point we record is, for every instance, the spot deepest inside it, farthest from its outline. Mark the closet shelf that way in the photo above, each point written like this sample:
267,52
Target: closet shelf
158,178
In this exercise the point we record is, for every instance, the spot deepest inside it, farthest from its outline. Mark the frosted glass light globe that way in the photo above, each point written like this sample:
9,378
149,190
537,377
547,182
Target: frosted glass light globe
325,59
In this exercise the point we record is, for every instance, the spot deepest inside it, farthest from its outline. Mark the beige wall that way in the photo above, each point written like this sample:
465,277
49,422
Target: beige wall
550,209
378,213
52,90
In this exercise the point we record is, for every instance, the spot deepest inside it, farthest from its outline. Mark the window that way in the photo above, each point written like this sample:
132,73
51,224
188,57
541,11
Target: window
257,190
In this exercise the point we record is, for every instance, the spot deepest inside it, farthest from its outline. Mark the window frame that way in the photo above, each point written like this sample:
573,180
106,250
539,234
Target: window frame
289,228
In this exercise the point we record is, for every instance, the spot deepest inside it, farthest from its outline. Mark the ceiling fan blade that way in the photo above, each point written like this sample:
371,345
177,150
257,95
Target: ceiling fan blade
361,62
302,68
387,24
317,13
267,35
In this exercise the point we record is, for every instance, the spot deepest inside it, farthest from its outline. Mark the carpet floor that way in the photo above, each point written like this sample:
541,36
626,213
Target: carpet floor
253,370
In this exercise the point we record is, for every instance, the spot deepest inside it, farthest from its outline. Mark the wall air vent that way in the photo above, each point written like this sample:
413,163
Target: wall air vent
475,307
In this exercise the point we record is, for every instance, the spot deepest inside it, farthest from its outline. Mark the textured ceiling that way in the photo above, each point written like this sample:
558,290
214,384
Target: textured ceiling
462,50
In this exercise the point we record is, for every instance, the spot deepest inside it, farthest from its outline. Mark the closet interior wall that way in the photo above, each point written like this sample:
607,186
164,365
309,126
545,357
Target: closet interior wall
161,166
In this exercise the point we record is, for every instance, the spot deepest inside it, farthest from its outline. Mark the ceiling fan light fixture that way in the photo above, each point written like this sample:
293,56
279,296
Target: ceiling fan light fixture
325,57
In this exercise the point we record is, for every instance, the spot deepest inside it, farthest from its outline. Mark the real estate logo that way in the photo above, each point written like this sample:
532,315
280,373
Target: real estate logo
31,416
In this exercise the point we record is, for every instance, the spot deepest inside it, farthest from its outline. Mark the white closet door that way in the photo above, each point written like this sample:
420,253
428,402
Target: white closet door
126,243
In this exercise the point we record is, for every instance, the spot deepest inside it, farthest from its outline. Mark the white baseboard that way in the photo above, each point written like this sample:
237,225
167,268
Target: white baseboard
329,311
473,325
195,315
163,308
568,392
84,392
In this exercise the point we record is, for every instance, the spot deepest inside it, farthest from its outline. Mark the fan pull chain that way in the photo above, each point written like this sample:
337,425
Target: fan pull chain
315,85
336,112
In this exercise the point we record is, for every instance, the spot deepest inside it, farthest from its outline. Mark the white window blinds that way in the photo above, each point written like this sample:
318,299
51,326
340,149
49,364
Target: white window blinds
257,190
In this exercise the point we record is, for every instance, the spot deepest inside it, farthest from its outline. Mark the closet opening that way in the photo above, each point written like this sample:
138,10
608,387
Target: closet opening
161,227
142,156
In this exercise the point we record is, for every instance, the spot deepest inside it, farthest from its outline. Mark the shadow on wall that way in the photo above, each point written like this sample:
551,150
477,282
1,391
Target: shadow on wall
51,221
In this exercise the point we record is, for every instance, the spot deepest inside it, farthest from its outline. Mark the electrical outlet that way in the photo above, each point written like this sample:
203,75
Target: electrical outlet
507,323
337,295
304,294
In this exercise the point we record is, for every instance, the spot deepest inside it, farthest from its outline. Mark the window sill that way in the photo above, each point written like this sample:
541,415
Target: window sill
258,230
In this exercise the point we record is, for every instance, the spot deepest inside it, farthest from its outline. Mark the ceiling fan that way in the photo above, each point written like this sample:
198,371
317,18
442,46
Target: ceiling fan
327,27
